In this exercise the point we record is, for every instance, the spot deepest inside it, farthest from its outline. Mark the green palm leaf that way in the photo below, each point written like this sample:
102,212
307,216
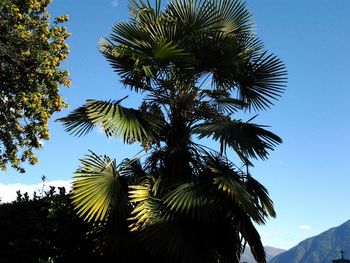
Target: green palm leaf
249,139
261,80
98,188
229,189
192,16
190,200
145,212
234,17
130,60
169,51
222,100
78,122
115,120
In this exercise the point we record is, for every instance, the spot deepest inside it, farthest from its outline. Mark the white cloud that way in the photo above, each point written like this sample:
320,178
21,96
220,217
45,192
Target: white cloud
305,228
114,3
8,191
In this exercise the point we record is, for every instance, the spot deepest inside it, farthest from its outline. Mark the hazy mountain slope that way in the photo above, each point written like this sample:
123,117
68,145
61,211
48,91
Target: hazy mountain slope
270,253
322,248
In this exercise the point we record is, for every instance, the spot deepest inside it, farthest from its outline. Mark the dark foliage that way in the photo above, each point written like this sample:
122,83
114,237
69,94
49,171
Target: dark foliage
44,229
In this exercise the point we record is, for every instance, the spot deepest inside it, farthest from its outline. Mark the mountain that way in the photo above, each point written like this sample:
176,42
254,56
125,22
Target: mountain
322,248
270,253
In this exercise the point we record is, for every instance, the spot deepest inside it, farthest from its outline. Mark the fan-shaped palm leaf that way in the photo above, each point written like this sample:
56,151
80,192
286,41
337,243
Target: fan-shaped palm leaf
235,18
132,65
98,188
250,139
232,184
228,105
261,80
222,101
115,120
190,200
146,211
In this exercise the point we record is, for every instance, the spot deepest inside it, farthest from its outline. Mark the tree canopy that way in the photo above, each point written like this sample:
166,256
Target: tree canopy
197,63
31,52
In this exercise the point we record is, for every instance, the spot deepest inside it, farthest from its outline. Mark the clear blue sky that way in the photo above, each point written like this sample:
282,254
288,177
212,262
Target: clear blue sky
308,176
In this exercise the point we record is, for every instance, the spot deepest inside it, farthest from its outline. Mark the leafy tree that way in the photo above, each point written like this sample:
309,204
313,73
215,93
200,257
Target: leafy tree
31,51
183,201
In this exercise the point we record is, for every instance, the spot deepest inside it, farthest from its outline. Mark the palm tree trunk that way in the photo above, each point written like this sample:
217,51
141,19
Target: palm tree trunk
178,139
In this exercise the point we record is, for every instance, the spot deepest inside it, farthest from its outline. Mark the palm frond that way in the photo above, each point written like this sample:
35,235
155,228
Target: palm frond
191,16
228,105
261,81
251,235
114,119
130,60
230,184
190,200
145,212
260,193
98,187
249,139
136,7
222,101
235,18
169,51
133,169
77,122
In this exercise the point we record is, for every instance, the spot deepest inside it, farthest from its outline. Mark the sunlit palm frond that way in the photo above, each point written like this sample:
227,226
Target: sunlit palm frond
232,187
190,200
250,139
239,200
114,119
118,121
229,188
98,187
146,208
132,37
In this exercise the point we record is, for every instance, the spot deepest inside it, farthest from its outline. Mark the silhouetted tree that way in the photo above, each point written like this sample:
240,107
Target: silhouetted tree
44,228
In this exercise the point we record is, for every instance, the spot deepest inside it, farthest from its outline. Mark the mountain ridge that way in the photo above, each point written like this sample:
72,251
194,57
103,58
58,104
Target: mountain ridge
270,253
322,248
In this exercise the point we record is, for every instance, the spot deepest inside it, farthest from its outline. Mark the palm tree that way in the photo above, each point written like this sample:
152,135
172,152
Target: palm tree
197,63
